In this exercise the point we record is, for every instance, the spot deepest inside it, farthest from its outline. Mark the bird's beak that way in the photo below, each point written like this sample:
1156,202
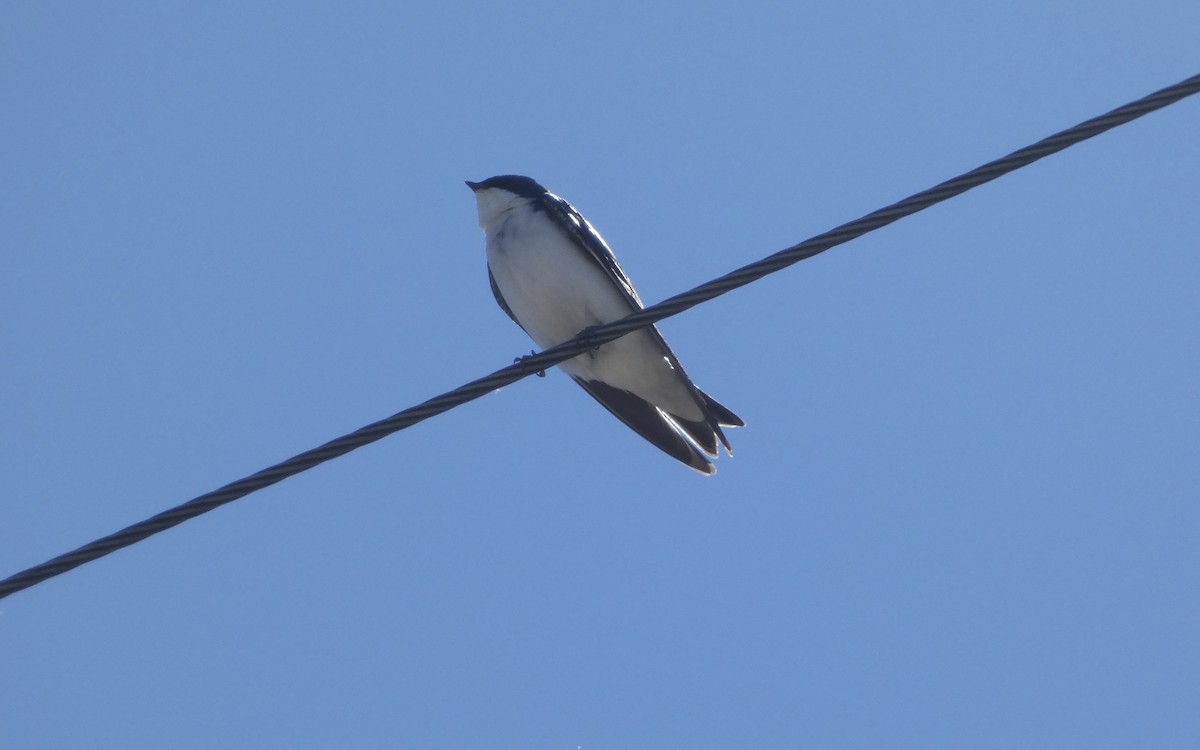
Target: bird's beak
473,185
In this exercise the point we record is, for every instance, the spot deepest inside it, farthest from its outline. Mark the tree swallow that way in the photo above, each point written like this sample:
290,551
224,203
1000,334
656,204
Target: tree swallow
554,275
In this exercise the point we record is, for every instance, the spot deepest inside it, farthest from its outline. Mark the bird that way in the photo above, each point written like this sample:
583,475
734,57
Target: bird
555,276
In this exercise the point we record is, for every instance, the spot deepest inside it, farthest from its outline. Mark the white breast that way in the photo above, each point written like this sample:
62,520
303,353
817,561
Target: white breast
556,290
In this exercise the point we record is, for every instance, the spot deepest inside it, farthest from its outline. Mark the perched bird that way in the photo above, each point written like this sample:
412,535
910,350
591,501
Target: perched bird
553,274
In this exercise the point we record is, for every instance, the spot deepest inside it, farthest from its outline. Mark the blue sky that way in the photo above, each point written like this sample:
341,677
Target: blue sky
963,512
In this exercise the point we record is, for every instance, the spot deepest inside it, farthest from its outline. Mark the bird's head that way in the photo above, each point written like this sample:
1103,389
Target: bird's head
496,196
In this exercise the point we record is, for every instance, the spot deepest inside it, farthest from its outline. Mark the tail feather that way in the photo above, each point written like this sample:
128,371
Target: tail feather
719,417
724,416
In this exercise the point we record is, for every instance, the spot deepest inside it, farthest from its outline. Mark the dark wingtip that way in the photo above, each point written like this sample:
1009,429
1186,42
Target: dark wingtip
700,464
647,421
708,470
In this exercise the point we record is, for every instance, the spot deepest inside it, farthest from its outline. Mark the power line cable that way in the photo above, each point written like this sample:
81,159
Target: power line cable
597,336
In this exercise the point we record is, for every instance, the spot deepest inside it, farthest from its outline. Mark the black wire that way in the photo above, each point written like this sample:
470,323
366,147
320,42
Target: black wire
595,337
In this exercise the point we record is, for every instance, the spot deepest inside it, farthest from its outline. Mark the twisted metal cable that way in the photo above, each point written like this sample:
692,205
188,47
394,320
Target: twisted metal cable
597,336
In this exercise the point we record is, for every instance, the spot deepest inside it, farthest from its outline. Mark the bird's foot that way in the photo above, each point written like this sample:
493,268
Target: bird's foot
585,337
516,360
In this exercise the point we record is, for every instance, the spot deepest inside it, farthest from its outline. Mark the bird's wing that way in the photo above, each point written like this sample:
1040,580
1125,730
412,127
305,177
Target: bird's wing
500,299
587,237
717,415
646,420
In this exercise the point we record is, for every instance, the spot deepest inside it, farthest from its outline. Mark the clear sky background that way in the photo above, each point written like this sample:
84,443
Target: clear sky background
964,512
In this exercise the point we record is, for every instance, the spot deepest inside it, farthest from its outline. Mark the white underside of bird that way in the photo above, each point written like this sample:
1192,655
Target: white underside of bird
555,291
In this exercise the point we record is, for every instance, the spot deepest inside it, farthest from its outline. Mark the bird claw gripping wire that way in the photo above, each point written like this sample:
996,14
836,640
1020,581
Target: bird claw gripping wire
521,360
585,337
